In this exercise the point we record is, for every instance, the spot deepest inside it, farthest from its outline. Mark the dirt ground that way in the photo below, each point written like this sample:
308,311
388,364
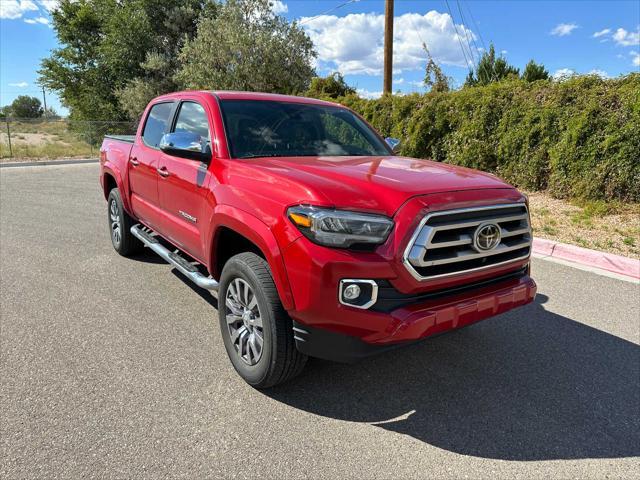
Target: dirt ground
608,227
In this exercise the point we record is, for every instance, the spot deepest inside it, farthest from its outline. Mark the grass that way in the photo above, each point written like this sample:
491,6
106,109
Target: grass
42,139
606,226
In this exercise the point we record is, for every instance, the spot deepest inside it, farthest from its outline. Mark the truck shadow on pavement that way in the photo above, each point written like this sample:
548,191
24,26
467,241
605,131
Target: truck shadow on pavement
527,385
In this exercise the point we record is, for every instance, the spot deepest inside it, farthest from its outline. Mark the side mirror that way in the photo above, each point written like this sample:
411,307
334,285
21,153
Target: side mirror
394,143
186,145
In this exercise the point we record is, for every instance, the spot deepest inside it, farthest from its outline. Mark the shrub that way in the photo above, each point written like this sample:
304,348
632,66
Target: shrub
578,138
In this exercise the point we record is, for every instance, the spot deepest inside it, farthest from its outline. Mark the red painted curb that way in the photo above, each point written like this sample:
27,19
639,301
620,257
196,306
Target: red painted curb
584,256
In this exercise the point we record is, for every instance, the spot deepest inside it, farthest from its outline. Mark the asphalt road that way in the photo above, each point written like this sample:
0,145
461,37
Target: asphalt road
114,367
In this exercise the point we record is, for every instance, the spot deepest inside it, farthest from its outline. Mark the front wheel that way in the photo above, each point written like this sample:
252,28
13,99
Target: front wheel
256,330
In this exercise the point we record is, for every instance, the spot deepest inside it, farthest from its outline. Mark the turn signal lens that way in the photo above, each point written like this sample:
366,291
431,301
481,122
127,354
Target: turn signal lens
300,220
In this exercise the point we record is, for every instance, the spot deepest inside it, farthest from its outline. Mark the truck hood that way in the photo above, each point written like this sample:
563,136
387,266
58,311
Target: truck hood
378,184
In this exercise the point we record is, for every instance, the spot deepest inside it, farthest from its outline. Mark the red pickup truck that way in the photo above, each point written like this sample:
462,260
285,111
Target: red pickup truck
318,238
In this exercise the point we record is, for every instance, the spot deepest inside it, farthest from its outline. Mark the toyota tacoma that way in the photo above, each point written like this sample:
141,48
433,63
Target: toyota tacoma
319,239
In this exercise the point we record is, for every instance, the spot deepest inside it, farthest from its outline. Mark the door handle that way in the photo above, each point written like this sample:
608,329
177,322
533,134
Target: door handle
134,161
163,172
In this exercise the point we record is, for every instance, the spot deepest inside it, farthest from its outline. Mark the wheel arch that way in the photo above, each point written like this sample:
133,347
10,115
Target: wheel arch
236,231
111,178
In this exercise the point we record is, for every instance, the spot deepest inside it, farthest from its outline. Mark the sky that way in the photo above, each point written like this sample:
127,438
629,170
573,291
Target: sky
600,37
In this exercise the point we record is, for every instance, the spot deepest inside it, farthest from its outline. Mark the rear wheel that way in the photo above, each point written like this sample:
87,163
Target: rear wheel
120,223
257,332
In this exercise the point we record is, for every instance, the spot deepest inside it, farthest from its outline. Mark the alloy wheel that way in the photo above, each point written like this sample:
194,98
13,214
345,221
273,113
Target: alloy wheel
244,321
114,216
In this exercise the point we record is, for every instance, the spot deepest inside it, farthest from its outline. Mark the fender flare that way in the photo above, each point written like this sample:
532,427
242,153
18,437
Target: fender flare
110,169
256,231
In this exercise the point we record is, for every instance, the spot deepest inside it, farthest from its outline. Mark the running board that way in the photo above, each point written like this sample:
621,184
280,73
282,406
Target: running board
174,259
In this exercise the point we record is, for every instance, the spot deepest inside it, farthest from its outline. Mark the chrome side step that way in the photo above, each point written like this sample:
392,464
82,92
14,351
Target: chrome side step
174,259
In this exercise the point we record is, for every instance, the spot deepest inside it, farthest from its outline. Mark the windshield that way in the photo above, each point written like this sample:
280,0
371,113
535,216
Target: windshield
269,129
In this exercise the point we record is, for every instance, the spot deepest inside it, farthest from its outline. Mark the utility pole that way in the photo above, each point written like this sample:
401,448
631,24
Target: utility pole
388,45
44,100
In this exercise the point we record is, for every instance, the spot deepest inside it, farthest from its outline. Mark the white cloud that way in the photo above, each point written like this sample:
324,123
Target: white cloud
368,94
353,44
49,5
626,39
33,21
601,33
563,29
398,81
635,58
600,73
19,84
278,7
563,73
12,9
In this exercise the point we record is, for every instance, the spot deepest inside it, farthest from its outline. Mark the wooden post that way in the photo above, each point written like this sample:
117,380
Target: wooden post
9,138
44,99
388,46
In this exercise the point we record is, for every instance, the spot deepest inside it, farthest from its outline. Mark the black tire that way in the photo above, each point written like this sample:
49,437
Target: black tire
279,358
120,224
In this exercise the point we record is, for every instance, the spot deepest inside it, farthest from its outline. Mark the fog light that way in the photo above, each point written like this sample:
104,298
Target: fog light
351,292
358,293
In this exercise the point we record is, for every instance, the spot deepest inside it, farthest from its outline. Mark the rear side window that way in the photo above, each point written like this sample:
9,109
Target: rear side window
192,118
156,124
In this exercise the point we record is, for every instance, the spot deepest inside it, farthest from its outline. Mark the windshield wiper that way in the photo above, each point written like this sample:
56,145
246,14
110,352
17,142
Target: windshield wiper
261,155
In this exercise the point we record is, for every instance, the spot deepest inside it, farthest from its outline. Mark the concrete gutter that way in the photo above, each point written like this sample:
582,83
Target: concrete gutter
584,256
70,161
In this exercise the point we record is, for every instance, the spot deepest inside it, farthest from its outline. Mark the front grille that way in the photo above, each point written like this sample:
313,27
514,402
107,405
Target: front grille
446,243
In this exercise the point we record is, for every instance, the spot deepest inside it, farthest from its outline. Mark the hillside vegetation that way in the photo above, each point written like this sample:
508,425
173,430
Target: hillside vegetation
578,138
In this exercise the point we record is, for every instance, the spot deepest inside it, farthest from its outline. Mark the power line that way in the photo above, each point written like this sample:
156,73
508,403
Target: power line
466,32
469,64
475,25
328,11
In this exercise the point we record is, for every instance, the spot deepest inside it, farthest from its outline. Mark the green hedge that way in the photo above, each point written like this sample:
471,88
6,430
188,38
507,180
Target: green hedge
578,138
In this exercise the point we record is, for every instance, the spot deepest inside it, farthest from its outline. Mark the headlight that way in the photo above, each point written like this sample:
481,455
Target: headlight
340,228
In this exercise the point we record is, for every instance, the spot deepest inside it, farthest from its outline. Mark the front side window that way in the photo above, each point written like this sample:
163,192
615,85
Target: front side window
156,124
193,118
257,128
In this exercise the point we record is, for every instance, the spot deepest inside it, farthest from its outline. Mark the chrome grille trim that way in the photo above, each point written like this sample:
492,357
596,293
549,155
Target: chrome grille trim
421,244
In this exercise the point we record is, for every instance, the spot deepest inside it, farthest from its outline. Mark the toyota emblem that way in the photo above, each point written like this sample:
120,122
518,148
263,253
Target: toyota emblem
486,237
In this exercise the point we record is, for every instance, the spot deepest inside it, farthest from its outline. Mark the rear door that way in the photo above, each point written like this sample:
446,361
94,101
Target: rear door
144,162
183,184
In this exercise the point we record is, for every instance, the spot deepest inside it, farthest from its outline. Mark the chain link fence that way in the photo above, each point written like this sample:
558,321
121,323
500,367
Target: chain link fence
56,138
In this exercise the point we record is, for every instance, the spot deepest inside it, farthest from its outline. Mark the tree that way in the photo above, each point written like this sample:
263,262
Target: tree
534,71
105,44
332,86
490,69
434,77
50,113
248,47
25,106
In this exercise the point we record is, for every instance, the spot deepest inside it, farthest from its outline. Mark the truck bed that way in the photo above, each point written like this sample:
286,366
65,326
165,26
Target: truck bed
122,138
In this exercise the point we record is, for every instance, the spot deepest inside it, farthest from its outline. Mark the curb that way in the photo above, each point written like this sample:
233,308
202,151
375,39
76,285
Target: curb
48,162
584,256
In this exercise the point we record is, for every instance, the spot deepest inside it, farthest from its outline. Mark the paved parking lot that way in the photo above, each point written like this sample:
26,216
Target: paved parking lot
114,367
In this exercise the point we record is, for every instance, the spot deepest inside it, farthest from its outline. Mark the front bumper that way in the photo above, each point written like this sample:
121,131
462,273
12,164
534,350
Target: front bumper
407,309
416,321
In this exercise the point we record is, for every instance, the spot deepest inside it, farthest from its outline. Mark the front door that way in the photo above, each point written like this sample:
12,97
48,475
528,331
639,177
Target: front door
144,162
183,186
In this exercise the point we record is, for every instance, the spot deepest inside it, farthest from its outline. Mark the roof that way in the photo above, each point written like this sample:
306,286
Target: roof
273,97
231,95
